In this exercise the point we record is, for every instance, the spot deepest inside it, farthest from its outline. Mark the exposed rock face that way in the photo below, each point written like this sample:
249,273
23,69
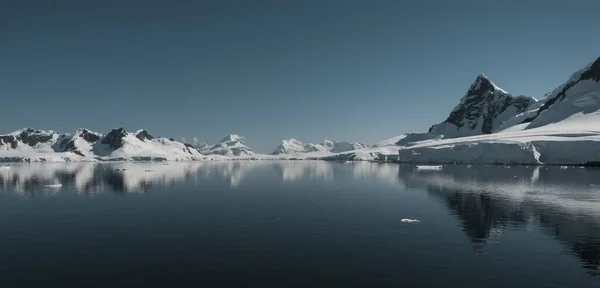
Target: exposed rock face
582,84
144,135
481,110
66,142
114,138
27,136
32,137
9,141
89,136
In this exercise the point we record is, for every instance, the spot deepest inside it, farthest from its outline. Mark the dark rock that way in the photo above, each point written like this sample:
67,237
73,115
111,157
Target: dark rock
32,137
483,102
593,72
144,135
114,138
8,140
89,136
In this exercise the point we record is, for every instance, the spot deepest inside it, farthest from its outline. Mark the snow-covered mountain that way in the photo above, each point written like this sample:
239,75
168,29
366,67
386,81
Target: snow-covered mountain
294,146
563,128
577,101
79,143
482,110
203,148
39,145
231,145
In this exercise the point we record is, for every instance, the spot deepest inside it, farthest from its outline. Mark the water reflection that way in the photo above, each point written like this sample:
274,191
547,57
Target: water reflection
129,177
487,200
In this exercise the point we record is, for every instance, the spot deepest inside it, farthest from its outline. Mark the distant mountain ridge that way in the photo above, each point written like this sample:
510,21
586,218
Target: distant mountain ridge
117,144
294,146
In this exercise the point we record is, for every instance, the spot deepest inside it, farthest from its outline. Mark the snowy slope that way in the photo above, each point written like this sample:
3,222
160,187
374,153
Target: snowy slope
580,94
231,145
119,144
293,147
491,126
575,140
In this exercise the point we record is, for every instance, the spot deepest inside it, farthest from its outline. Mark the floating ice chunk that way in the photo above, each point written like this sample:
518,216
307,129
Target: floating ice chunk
564,167
406,220
428,167
53,186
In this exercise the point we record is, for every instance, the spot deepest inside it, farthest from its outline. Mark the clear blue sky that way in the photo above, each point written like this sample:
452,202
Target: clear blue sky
274,69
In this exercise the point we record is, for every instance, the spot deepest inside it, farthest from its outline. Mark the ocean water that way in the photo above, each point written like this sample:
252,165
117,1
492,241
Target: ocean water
298,224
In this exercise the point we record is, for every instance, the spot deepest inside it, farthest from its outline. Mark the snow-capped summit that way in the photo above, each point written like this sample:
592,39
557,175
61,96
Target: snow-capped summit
576,100
85,145
28,138
341,146
114,138
79,143
484,107
203,148
232,138
294,146
143,135
231,145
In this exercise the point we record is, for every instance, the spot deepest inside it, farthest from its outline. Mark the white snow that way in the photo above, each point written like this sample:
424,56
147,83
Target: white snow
295,146
390,142
429,167
53,186
231,145
406,220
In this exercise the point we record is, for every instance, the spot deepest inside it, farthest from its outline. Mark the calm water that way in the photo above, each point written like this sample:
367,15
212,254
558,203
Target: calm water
298,224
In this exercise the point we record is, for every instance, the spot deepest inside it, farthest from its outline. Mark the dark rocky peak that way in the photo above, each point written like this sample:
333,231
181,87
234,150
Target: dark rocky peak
593,72
482,91
114,138
33,137
89,136
8,141
143,135
482,84
484,105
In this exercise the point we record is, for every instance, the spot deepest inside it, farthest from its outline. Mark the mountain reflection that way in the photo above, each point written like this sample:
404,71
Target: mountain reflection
563,202
130,177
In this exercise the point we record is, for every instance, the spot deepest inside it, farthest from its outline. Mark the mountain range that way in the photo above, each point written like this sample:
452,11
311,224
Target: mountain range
488,125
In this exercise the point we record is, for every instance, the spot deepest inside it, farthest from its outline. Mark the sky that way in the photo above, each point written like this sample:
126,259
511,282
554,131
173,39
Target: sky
269,70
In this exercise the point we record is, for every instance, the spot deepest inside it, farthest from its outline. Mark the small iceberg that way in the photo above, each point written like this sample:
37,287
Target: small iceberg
53,186
406,220
564,167
428,167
